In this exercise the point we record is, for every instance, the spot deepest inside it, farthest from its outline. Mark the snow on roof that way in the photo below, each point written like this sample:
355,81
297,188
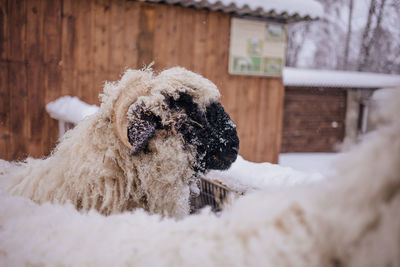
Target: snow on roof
345,79
289,10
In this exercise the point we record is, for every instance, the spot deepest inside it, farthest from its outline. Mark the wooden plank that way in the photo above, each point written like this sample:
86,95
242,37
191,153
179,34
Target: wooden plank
52,30
247,127
68,34
131,29
116,39
186,37
101,36
68,47
17,78
222,49
279,99
52,71
4,30
34,34
18,109
264,126
160,53
254,127
84,85
16,30
52,49
271,118
5,108
35,94
211,45
52,85
146,35
200,41
170,59
84,50
274,116
36,109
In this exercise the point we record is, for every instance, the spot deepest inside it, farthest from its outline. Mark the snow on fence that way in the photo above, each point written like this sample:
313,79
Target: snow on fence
69,111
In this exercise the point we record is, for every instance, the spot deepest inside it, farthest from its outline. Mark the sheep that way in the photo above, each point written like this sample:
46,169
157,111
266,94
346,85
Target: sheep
145,147
351,218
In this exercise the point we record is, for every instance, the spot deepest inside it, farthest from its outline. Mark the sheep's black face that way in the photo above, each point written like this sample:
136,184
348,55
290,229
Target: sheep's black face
211,132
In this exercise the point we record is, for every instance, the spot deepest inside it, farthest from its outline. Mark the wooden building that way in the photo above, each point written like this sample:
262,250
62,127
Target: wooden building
51,48
325,108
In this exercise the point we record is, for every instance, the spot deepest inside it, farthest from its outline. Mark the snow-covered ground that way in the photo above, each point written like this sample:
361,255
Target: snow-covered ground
245,176
308,162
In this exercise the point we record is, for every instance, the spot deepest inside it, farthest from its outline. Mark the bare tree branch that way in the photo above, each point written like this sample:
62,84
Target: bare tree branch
348,36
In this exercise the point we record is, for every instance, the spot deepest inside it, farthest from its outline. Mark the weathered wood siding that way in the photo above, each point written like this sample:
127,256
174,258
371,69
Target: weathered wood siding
314,119
50,48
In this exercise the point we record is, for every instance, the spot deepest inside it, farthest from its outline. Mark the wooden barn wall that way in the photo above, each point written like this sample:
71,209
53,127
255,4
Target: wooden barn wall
51,48
314,119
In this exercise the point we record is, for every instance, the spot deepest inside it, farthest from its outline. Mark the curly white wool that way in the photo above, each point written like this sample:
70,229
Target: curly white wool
92,168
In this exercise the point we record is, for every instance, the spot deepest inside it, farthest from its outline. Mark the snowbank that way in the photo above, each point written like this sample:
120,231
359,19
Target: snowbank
247,176
308,162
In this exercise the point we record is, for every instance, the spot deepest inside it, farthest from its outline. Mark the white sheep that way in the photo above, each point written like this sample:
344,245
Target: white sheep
144,148
349,219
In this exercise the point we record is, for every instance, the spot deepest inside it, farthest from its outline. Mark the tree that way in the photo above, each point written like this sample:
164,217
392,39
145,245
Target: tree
370,35
340,41
348,36
297,34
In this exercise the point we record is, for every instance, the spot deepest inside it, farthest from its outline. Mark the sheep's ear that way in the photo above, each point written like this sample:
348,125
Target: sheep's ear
139,133
126,98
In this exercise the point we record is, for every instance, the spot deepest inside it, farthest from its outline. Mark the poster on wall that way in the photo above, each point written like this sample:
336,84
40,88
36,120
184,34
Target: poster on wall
257,48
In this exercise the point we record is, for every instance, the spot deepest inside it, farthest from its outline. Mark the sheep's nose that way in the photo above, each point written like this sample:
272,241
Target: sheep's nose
230,157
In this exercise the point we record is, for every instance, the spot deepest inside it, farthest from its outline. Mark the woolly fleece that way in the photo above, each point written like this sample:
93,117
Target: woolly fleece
93,169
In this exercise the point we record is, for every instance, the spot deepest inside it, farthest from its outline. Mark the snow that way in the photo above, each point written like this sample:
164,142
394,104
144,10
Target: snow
308,162
304,8
247,176
70,109
347,79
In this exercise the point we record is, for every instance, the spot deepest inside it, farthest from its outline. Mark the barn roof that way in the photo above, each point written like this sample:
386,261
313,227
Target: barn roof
338,79
286,10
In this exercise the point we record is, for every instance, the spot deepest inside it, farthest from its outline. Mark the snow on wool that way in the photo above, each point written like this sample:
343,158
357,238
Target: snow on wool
144,148
351,218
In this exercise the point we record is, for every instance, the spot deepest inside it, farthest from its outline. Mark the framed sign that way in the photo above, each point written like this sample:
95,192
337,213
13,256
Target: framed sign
257,48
